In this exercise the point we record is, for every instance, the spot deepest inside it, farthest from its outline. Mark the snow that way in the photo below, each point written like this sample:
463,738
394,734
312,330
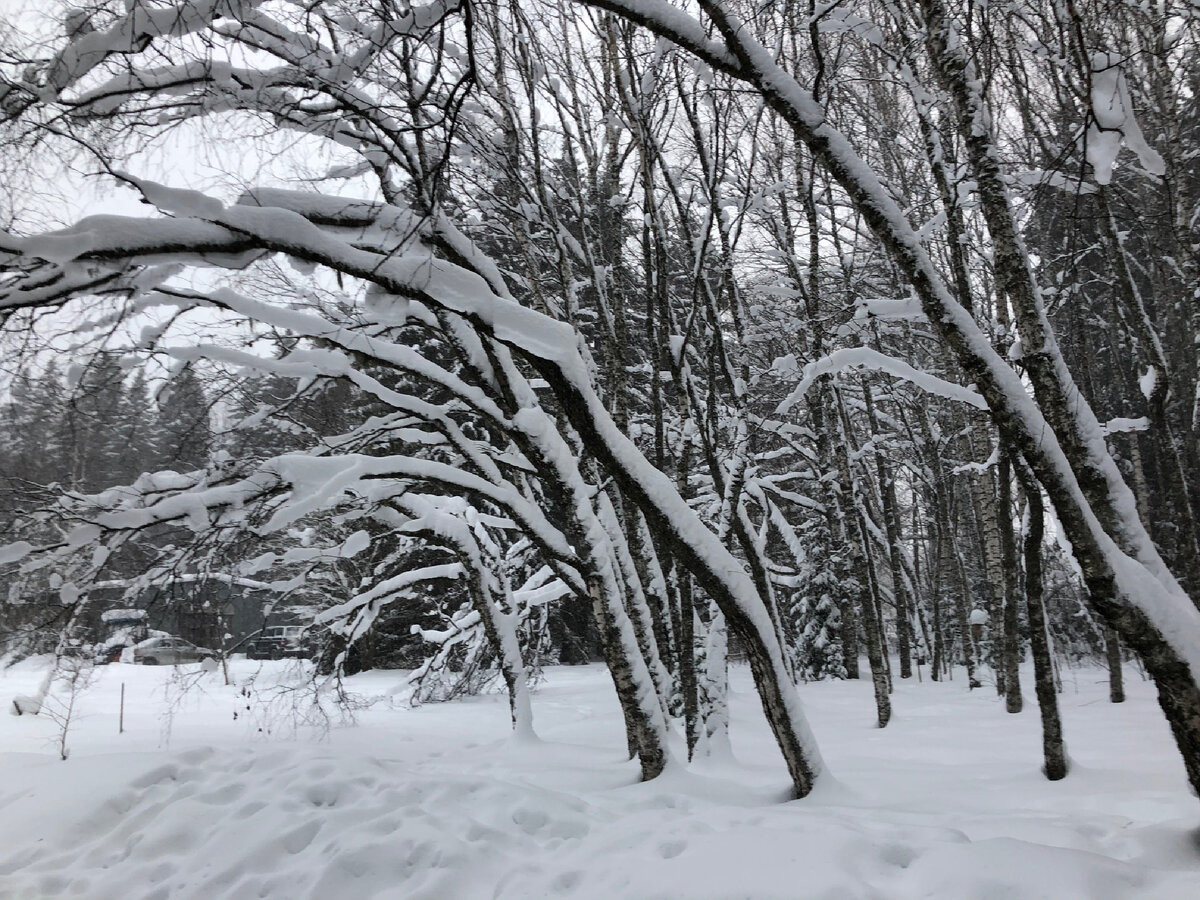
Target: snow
1142,579
1122,424
1147,381
866,357
441,802
122,615
15,551
87,51
1114,123
177,201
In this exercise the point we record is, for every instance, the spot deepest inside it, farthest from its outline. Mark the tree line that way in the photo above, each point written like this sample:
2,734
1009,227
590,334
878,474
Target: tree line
98,426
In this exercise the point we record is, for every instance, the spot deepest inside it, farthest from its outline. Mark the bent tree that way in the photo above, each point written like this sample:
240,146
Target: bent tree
542,463
583,263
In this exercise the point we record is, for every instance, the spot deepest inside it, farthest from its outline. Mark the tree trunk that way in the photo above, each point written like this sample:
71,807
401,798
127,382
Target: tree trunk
938,662
687,663
891,523
1116,678
874,633
716,683
1011,654
714,569
1043,666
970,647
1186,545
635,604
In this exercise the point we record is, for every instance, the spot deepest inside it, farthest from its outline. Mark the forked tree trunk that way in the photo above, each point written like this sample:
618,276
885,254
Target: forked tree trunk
642,732
625,649
635,605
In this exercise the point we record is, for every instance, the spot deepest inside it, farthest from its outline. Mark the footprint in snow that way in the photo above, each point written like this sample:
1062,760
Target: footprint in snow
157,775
567,881
298,839
250,809
530,820
899,855
322,795
671,849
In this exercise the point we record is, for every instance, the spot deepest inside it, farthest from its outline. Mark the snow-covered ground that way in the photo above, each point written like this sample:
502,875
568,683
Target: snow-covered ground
237,792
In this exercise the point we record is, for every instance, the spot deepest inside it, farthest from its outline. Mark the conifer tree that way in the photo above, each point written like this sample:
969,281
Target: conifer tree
34,451
135,429
93,406
183,437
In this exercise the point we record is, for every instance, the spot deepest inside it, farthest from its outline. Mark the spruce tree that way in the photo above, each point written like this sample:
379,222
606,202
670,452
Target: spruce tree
816,614
183,438
88,425
34,452
135,428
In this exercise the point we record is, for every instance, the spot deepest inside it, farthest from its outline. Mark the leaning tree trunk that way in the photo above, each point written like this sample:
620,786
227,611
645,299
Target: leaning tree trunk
713,569
636,606
544,446
499,625
857,538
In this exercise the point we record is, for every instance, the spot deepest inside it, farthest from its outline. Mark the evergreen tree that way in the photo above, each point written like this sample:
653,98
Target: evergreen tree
183,437
135,427
817,616
33,450
86,428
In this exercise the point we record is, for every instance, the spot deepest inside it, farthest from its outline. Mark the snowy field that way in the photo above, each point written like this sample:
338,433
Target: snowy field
227,792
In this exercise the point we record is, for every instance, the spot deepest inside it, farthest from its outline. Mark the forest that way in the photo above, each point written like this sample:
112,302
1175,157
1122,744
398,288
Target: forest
847,340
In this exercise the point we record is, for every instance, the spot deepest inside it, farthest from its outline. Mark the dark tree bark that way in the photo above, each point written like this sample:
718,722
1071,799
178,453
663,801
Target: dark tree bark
1011,653
874,634
1116,678
687,663
891,523
1043,666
